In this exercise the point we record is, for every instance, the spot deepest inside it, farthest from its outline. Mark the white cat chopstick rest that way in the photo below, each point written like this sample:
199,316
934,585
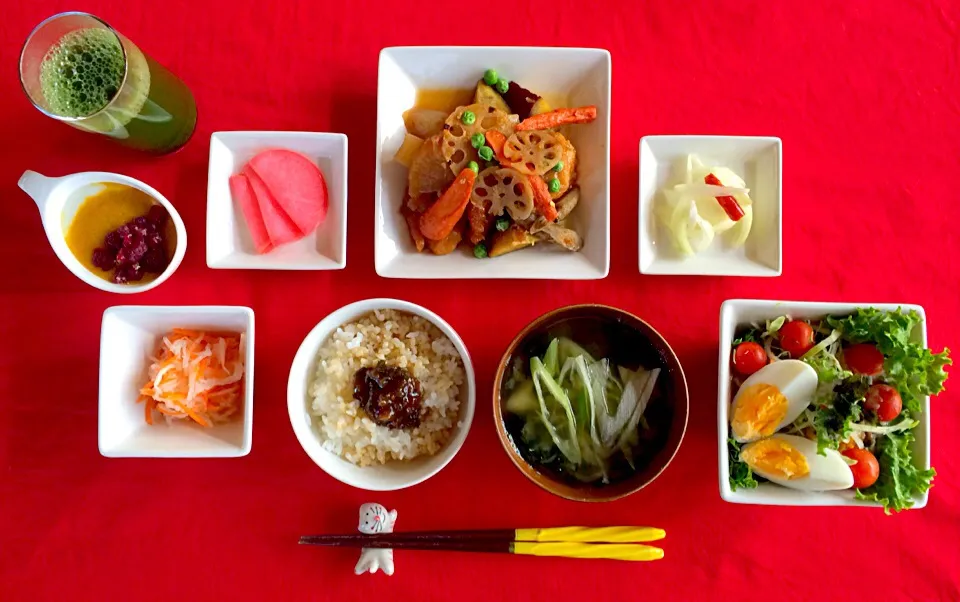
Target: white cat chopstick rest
374,518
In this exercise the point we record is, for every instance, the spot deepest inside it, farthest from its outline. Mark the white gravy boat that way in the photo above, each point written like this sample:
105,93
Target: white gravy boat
58,200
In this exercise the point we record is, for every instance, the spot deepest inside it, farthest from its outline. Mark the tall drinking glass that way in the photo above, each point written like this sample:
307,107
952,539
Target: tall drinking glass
79,70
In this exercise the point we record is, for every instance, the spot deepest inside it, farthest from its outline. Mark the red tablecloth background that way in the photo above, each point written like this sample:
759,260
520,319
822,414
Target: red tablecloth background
864,95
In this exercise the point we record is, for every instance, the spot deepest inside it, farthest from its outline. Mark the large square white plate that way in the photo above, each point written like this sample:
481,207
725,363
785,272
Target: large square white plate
568,76
740,312
228,241
129,335
759,160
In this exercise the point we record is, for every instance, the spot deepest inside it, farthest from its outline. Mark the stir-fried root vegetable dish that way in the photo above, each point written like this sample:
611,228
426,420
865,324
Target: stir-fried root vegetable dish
196,375
581,414
832,403
497,175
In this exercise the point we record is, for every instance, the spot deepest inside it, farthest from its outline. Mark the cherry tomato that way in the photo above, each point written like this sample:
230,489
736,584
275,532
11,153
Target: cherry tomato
796,337
749,357
866,470
863,359
885,401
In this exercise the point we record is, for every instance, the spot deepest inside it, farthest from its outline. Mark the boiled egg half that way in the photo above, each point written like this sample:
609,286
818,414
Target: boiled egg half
771,398
793,462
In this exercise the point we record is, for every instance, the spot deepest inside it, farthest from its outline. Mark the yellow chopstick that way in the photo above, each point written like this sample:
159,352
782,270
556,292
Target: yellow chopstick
591,534
614,551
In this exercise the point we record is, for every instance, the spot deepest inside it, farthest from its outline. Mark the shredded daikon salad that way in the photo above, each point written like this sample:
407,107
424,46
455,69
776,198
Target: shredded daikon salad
196,375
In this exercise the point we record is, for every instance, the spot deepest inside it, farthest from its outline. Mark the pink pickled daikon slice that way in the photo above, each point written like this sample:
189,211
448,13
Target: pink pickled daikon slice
243,194
296,183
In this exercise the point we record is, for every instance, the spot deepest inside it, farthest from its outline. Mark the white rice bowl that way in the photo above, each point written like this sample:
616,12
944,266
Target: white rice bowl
400,339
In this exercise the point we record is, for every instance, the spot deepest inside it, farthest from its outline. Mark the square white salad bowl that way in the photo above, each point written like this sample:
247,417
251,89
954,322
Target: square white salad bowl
758,160
741,312
565,77
229,245
129,336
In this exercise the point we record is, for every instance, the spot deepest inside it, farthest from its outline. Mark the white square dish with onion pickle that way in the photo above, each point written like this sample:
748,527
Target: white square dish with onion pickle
855,358
684,230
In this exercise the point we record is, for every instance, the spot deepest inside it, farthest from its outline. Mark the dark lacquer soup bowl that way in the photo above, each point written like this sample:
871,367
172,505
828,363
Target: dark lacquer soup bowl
566,447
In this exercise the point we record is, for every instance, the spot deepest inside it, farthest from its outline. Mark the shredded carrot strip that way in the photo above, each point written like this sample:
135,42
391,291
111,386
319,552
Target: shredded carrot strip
187,379
148,410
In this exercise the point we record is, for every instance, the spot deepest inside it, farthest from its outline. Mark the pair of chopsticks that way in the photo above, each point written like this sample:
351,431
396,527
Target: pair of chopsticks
611,543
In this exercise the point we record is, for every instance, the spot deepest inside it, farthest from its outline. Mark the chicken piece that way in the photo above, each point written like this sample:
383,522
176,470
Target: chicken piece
479,221
567,175
512,239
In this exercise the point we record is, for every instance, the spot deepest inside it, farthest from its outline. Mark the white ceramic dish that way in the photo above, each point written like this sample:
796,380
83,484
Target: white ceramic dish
759,160
736,312
129,335
393,475
566,77
58,200
228,241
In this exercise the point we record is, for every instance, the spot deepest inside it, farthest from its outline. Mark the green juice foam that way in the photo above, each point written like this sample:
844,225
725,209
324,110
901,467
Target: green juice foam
82,73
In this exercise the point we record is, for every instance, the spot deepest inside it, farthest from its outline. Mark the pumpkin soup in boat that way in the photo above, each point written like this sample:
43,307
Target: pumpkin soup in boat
122,235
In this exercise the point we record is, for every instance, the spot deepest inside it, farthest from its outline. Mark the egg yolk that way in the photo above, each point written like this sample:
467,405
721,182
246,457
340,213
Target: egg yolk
777,458
759,410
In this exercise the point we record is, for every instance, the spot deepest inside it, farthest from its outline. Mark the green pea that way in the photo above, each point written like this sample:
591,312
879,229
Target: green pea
491,77
477,140
502,85
485,152
554,186
480,250
502,223
473,165
468,117
558,166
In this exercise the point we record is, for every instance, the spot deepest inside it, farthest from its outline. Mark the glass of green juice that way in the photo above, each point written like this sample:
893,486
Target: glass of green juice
79,70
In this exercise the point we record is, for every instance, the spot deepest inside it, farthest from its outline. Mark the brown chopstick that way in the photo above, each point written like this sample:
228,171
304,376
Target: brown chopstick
488,535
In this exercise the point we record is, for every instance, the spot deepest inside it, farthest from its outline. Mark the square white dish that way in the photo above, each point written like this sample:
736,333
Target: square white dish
759,160
737,312
565,76
129,335
228,241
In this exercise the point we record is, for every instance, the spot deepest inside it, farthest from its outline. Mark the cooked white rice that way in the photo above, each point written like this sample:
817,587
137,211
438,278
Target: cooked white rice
399,339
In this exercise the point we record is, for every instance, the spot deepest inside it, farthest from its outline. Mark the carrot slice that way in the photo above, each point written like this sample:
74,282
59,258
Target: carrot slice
441,218
541,198
496,140
558,117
